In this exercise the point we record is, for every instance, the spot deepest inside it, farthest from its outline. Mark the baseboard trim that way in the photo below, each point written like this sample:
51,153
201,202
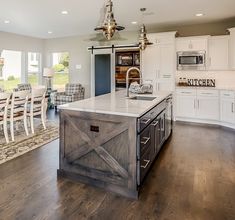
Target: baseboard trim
205,122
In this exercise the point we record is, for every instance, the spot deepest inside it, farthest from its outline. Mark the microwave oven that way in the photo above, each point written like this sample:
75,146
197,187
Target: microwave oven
191,60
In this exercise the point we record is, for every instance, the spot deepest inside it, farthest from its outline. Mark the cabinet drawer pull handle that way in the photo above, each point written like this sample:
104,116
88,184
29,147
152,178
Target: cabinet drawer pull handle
147,163
163,125
155,123
147,139
145,121
207,93
186,92
166,76
232,107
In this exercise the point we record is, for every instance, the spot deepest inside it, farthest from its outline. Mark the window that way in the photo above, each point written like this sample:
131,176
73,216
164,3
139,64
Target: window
61,68
33,68
11,72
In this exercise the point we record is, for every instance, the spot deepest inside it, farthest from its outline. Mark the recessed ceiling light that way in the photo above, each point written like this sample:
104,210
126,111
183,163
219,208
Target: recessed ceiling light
49,32
64,12
134,22
199,14
6,21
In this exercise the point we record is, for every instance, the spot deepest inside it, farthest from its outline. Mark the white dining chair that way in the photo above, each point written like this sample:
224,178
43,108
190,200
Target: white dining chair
38,107
18,110
4,102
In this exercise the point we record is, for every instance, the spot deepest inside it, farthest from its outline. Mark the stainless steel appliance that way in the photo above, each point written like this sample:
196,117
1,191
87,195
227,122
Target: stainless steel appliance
169,115
191,60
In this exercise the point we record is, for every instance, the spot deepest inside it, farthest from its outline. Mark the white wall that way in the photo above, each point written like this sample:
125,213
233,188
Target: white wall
77,48
9,41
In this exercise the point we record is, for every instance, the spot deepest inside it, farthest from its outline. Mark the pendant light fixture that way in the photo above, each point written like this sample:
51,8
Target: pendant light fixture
109,25
143,40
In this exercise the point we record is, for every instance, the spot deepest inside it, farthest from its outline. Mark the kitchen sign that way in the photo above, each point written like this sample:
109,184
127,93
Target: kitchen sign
201,82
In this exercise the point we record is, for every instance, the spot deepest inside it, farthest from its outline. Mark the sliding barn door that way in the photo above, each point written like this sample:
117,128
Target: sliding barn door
102,74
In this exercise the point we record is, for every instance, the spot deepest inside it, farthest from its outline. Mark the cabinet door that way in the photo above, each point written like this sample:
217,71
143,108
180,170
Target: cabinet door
156,134
150,60
182,45
198,44
162,38
162,128
208,108
165,85
218,53
232,48
167,61
191,44
227,110
186,106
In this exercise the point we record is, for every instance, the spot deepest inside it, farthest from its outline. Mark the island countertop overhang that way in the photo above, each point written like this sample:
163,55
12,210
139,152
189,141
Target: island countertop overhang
116,103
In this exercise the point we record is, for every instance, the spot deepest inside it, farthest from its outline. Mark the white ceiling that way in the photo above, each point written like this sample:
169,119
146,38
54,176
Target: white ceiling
37,17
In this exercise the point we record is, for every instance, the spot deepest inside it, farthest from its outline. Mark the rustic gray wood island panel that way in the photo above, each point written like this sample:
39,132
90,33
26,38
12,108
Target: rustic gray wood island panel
100,144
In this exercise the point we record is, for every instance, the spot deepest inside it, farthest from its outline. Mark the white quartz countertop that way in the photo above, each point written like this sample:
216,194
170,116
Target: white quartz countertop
116,103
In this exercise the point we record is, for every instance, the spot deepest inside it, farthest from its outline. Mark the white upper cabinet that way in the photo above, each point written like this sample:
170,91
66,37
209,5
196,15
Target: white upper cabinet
150,62
167,63
218,53
192,43
159,59
232,48
162,38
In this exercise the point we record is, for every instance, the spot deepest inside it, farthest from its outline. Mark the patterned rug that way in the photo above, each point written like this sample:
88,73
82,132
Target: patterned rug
24,144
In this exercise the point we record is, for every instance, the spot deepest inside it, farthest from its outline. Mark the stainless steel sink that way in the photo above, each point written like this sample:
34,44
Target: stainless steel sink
144,98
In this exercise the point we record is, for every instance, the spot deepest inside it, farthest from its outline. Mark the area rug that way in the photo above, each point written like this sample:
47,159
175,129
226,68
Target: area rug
24,144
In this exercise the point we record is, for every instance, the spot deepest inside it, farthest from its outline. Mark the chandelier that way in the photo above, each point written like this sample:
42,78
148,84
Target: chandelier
109,25
143,40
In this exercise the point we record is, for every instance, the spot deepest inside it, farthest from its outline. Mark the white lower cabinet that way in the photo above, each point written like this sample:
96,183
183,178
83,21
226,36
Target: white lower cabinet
227,107
206,105
208,108
198,104
186,103
186,106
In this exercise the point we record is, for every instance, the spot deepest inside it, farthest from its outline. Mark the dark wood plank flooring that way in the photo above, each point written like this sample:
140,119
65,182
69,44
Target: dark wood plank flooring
193,178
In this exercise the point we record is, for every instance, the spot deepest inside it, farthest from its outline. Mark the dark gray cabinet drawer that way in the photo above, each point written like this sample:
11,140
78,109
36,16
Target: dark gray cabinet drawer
145,140
145,163
147,118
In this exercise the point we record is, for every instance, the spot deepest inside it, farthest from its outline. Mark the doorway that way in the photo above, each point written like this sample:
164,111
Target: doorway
102,74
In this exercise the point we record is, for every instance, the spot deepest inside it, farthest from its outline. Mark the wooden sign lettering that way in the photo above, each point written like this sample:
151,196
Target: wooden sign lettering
201,82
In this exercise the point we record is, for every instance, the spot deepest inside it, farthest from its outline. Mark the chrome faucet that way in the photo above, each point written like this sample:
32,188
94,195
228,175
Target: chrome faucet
127,78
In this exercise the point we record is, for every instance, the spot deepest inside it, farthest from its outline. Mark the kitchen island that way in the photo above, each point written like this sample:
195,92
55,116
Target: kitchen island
111,141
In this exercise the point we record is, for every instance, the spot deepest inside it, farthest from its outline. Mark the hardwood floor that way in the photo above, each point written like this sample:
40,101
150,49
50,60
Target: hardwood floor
193,178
